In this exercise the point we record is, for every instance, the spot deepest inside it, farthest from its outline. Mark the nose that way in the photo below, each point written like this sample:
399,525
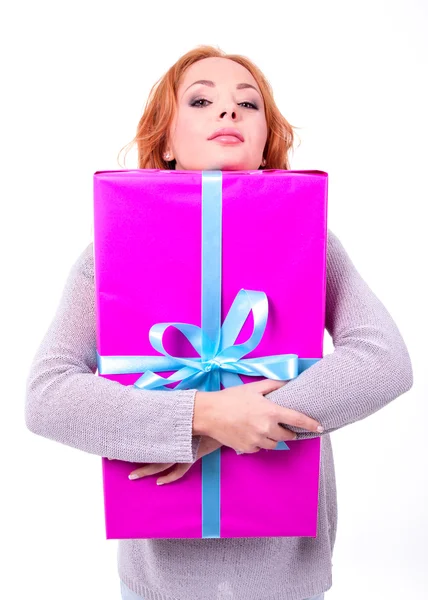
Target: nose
232,114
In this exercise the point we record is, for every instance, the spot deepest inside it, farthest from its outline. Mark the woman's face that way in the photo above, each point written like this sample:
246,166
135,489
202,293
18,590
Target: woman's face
215,94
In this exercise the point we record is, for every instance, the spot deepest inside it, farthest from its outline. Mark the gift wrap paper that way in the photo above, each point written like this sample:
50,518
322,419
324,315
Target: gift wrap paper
177,247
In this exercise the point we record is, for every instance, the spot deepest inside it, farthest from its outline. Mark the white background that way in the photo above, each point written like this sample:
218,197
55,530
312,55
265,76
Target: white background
75,78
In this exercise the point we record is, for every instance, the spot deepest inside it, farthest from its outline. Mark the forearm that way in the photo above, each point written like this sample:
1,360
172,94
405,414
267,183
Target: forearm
109,419
370,365
68,403
348,385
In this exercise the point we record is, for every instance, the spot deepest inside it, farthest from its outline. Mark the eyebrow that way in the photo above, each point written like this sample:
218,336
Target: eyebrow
240,86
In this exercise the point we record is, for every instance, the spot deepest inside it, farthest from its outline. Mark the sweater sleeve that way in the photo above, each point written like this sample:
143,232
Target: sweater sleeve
370,364
68,403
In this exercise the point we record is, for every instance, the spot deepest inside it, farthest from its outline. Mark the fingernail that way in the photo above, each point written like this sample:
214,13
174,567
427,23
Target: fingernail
160,482
134,476
320,429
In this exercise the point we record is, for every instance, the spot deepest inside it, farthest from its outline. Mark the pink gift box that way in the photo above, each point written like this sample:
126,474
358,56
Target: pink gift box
147,244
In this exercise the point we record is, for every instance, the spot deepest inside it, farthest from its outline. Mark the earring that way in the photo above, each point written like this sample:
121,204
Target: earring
264,162
166,156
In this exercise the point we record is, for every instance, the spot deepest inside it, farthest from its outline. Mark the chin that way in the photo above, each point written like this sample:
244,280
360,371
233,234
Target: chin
229,165
222,163
232,168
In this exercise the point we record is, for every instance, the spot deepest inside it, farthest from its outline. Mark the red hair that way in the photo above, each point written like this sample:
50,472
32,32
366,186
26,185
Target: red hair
154,125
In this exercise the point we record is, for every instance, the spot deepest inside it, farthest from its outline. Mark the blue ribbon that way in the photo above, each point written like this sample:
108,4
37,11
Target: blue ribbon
220,360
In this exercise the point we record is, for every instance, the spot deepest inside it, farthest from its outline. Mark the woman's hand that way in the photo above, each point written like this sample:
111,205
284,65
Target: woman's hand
206,446
242,418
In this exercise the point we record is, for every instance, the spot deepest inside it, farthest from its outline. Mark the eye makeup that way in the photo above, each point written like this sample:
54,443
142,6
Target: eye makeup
194,101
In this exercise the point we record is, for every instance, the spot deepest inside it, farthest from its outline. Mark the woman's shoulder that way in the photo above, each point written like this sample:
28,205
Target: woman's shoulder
332,239
85,262
335,248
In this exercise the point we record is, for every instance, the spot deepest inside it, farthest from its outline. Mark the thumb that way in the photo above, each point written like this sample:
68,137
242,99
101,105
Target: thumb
265,386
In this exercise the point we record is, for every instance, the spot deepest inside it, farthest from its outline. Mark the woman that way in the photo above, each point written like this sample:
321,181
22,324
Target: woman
212,111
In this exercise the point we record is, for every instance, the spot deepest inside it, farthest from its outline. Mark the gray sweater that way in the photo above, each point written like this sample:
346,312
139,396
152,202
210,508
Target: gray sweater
66,402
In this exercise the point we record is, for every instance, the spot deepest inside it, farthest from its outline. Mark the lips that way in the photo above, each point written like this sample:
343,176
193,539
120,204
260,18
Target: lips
234,133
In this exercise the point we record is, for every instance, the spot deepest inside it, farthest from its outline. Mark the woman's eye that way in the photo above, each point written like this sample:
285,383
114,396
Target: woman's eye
250,104
199,102
195,102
